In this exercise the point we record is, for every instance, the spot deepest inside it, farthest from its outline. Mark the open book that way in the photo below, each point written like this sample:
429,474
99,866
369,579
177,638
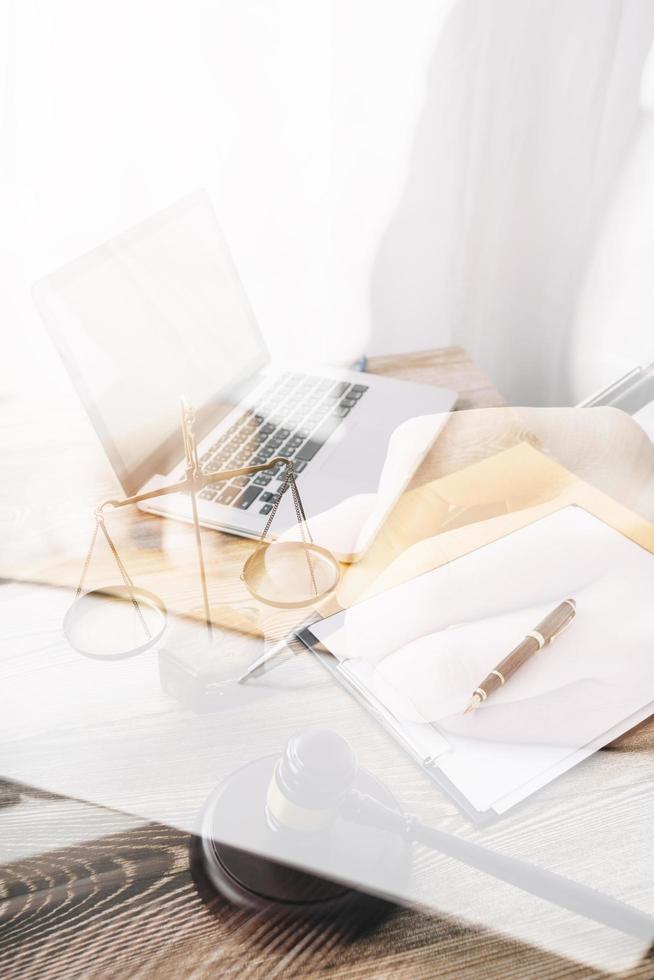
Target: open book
418,651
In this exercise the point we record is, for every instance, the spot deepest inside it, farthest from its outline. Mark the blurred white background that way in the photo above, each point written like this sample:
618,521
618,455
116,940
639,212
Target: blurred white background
390,175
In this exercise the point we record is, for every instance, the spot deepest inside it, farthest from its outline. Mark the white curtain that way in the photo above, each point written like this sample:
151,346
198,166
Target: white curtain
613,328
391,174
531,109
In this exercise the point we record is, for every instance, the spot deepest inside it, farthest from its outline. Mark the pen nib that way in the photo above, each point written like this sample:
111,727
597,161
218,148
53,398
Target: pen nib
474,701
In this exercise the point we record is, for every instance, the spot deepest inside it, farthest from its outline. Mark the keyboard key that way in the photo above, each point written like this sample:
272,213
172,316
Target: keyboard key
348,402
207,494
262,480
265,497
357,391
247,497
341,411
299,465
266,508
241,481
340,389
228,495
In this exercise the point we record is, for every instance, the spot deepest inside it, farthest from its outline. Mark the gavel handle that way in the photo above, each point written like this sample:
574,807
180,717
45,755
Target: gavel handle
529,878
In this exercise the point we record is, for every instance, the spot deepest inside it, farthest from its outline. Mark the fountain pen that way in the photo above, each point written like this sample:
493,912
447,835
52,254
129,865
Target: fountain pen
553,624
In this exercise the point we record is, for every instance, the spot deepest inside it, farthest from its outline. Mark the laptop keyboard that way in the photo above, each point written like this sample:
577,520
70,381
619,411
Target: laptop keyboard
293,418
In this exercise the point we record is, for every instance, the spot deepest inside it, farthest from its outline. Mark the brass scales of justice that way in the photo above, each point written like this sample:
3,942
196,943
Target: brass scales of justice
119,621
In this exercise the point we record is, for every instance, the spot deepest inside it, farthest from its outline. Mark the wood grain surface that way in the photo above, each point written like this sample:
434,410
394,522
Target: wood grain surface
91,892
126,904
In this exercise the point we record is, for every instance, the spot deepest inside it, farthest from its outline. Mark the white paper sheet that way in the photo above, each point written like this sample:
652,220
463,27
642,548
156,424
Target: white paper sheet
432,641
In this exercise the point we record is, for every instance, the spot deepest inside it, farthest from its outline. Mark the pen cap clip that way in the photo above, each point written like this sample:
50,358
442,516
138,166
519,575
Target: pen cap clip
568,619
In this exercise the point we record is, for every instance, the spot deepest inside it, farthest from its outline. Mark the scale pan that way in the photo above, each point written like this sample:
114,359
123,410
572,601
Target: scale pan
115,622
290,574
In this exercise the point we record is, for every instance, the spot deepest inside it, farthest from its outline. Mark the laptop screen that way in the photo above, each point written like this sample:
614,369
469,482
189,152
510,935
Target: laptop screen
156,314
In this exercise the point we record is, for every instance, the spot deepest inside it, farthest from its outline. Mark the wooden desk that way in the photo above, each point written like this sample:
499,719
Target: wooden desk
122,902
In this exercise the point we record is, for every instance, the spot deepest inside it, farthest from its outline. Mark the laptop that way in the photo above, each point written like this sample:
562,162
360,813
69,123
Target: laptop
159,313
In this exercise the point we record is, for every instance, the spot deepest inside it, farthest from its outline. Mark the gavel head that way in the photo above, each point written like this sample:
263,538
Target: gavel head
310,780
277,832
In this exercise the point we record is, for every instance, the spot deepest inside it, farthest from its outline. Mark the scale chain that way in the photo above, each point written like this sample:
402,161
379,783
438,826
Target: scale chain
299,513
99,523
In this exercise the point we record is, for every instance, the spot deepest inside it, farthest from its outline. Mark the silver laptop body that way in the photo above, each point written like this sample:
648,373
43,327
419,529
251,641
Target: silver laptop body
159,312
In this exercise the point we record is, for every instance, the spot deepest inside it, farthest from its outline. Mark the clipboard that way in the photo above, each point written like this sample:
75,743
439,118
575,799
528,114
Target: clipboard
545,487
395,729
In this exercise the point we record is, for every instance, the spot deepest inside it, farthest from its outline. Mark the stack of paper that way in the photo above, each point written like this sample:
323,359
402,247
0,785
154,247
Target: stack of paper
422,648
